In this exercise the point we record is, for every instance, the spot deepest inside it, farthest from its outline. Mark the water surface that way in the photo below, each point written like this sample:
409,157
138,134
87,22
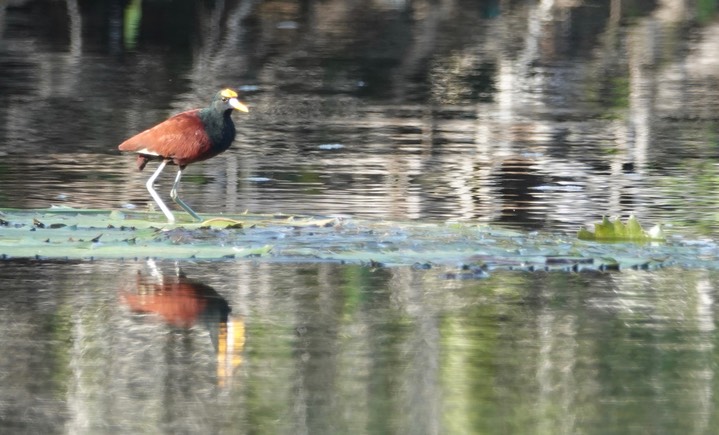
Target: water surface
541,115
305,348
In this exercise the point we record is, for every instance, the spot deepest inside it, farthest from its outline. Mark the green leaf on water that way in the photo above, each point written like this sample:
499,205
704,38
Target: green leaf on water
614,230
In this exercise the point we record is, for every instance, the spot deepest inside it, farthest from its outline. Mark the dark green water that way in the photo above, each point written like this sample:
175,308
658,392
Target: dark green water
327,349
542,115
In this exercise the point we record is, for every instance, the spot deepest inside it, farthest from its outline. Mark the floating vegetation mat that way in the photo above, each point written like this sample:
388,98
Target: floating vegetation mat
470,248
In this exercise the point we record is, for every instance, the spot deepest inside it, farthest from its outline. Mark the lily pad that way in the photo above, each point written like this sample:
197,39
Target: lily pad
476,249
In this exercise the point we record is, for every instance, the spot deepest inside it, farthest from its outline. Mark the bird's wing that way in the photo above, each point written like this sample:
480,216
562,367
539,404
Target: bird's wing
181,137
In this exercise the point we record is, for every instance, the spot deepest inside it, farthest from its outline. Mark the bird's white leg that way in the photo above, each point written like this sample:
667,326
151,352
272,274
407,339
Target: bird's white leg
155,196
154,271
175,197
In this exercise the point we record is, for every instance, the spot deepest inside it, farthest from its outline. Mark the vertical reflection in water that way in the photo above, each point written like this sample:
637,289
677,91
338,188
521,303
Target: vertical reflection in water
182,303
366,352
420,392
316,355
704,376
115,26
557,358
642,56
3,11
131,17
217,54
157,370
666,359
73,12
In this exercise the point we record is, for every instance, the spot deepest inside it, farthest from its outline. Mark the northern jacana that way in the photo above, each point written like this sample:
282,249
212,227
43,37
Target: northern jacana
185,138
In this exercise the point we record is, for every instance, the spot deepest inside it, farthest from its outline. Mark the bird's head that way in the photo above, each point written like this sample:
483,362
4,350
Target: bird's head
226,99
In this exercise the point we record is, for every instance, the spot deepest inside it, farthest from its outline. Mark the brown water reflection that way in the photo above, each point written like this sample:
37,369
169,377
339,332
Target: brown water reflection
348,349
539,114
182,303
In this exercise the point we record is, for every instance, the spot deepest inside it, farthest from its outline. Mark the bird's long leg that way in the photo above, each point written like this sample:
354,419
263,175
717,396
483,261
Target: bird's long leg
175,197
155,196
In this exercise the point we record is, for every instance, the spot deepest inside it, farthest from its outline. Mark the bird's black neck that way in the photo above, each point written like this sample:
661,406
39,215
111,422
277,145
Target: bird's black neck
209,115
219,126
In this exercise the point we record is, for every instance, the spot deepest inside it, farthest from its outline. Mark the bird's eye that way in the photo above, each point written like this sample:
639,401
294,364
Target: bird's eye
224,99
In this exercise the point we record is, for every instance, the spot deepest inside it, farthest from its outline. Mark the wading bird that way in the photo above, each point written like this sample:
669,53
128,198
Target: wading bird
185,138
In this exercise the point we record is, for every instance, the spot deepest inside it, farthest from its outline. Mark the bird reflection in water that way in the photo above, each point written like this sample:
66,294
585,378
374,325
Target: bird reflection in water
182,303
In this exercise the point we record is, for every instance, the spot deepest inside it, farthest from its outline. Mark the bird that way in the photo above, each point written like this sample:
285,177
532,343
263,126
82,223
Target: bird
188,137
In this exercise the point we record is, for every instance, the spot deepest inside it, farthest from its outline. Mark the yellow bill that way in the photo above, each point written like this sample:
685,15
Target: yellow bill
234,102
